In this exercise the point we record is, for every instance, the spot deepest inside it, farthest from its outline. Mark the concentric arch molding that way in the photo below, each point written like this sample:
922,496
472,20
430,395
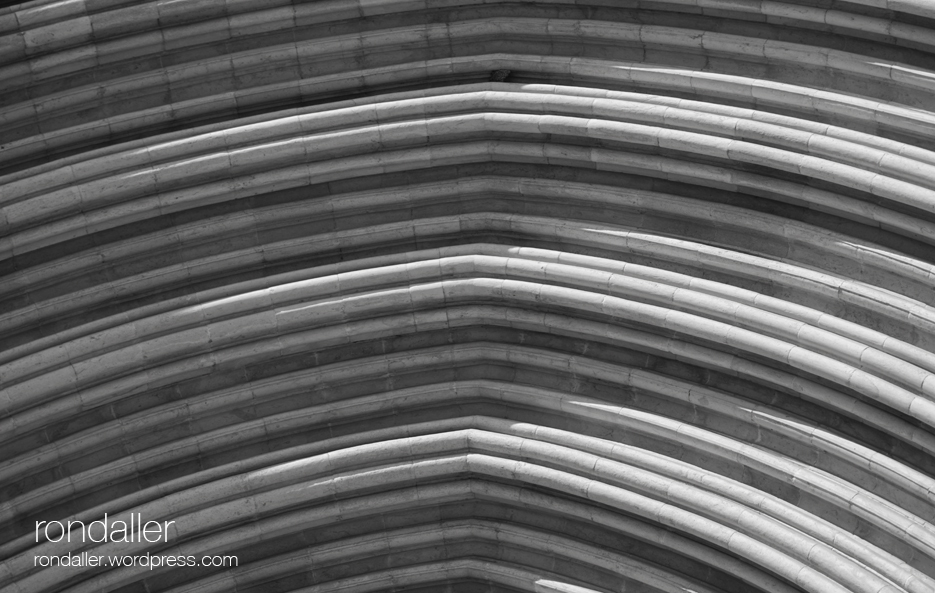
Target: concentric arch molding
390,295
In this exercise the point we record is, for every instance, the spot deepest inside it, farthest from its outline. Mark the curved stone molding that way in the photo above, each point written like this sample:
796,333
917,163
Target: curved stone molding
421,295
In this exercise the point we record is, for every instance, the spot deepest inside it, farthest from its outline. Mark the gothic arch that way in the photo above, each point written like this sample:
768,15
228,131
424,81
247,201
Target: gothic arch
568,296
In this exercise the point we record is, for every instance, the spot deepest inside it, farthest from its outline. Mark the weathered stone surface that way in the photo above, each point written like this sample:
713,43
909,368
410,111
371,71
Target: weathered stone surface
471,296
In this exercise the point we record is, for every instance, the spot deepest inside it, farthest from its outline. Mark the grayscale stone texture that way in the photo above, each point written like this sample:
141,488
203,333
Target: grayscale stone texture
471,296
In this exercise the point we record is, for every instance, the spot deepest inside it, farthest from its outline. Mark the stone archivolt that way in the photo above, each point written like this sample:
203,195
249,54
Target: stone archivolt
565,297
